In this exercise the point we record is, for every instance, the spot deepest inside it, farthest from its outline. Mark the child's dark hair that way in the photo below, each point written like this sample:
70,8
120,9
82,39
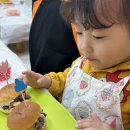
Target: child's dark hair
96,13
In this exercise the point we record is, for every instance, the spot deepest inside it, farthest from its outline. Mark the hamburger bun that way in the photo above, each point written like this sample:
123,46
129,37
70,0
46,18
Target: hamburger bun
9,98
8,94
24,117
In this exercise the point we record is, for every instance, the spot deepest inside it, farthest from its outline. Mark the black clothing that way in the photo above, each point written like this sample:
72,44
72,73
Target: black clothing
51,45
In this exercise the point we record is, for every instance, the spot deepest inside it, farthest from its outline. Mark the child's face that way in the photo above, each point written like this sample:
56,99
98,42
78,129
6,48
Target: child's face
104,48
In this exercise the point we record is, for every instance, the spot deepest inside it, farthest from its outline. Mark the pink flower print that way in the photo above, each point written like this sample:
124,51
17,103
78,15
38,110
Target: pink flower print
106,94
106,97
83,88
83,84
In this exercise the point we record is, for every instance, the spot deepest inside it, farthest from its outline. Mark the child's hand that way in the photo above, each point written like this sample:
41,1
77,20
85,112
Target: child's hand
93,123
35,80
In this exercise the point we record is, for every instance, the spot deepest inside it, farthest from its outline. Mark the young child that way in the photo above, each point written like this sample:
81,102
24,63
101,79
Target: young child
96,88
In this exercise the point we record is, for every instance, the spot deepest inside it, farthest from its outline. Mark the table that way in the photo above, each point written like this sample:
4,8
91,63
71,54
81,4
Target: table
17,66
15,29
58,118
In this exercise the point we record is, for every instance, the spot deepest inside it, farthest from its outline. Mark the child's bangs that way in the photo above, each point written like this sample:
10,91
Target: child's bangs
93,13
97,13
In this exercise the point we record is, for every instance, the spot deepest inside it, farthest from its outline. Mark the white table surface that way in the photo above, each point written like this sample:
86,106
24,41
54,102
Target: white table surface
17,66
14,29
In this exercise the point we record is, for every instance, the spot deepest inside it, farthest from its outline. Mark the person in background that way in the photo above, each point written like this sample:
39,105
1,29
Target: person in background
96,88
51,42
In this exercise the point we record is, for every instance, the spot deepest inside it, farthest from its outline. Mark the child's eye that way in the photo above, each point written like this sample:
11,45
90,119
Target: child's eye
79,33
99,37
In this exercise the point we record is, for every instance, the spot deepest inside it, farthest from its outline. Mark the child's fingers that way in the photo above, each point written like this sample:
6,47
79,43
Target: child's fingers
92,122
25,79
32,74
28,73
84,123
20,77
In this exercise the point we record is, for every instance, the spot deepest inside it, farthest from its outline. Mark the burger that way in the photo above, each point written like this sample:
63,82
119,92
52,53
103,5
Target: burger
26,116
9,98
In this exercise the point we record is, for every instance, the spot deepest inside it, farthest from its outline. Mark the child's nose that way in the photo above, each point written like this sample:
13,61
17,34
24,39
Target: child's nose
86,45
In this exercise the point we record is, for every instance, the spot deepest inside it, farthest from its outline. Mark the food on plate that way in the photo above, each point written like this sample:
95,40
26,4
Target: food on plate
26,116
6,1
12,12
9,98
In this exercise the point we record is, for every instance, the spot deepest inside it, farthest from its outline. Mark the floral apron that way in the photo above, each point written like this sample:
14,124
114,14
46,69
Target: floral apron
84,95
